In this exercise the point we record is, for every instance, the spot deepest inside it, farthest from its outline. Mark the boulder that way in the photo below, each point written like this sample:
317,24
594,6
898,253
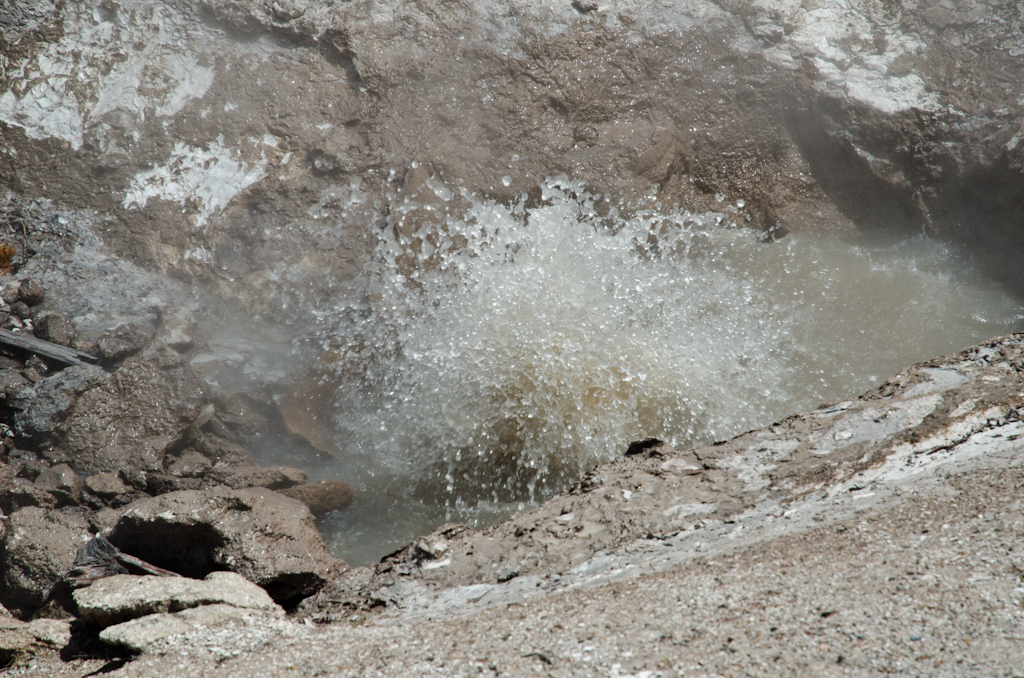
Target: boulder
188,464
11,382
321,497
220,451
176,328
41,545
21,493
275,478
162,483
31,293
19,639
124,341
26,463
117,599
139,634
54,327
106,485
62,483
39,409
131,418
267,538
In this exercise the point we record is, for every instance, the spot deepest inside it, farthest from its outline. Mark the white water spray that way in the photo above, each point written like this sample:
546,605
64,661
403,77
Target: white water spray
525,346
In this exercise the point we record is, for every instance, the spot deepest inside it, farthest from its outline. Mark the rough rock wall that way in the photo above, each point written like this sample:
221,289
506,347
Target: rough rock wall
259,147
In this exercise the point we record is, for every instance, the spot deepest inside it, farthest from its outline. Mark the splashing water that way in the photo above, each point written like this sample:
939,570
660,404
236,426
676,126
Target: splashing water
509,349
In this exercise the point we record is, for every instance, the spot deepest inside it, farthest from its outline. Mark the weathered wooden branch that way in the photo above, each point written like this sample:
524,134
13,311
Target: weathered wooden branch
47,349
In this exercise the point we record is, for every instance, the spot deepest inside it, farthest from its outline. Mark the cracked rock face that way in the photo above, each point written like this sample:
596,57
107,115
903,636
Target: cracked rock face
281,131
267,538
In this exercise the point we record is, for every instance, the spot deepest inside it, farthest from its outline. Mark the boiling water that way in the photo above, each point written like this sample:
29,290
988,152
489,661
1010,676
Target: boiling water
526,345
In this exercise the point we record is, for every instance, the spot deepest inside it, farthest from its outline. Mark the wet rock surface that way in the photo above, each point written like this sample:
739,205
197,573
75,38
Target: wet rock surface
321,497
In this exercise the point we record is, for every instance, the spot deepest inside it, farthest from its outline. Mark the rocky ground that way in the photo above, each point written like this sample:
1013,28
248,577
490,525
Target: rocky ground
158,157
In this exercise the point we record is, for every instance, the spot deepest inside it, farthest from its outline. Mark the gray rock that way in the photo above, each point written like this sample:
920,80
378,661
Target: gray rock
31,293
267,538
54,633
130,419
272,478
9,293
12,382
220,451
188,464
162,483
54,327
124,341
117,599
22,311
139,634
41,545
323,496
62,482
39,409
176,328
22,493
106,485
15,640
26,463
19,640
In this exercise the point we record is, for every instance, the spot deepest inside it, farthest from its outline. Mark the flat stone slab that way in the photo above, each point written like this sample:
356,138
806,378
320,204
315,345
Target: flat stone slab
123,597
139,634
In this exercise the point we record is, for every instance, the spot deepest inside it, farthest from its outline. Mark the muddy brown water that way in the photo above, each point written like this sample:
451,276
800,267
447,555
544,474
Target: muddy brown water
541,341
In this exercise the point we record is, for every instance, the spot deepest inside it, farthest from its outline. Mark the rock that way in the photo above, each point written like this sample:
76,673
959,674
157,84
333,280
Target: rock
41,545
16,641
19,639
267,538
106,485
22,493
54,327
277,478
162,483
321,497
11,383
124,341
31,293
247,19
176,328
129,420
117,599
9,293
188,464
139,634
38,409
62,483
22,311
242,414
55,633
26,463
220,451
